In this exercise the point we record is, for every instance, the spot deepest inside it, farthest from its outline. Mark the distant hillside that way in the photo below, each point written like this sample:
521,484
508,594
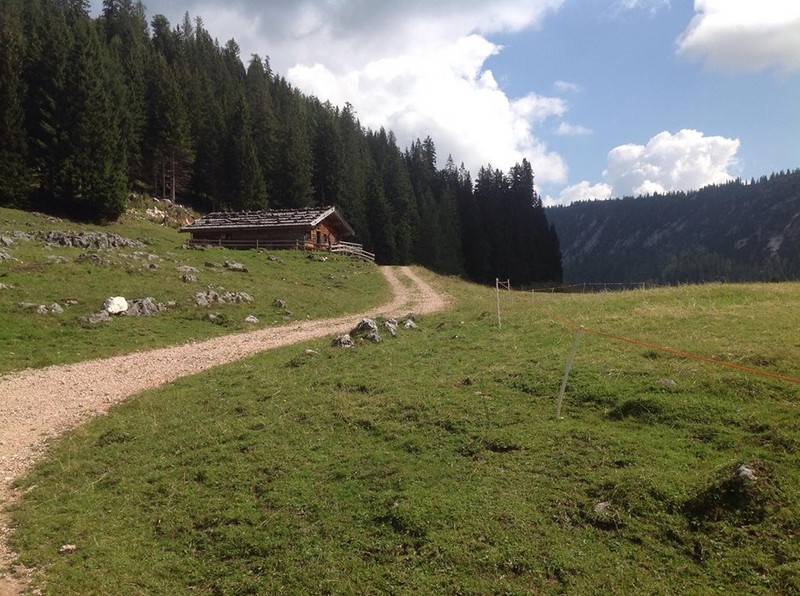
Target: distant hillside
737,231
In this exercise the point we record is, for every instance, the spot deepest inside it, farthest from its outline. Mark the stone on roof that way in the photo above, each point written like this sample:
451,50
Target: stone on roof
277,218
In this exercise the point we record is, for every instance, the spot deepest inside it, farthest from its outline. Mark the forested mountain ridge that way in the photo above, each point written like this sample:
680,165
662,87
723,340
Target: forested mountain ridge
91,109
738,231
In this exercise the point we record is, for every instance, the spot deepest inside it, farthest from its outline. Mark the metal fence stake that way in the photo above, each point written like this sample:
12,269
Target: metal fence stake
571,358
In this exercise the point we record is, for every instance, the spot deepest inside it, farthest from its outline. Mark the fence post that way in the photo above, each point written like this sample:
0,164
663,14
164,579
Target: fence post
567,368
497,292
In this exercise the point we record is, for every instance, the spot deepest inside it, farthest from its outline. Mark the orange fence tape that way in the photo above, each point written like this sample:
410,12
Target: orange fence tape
680,353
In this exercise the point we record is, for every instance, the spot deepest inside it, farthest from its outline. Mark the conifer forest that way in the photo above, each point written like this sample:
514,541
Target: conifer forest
92,109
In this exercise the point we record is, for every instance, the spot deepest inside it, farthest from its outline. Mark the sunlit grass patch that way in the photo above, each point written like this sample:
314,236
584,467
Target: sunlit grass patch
433,462
309,289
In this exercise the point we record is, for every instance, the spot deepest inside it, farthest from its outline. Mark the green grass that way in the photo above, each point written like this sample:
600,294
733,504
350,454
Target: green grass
311,289
433,462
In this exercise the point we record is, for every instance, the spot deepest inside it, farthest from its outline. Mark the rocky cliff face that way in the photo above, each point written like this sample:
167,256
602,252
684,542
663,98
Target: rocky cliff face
733,232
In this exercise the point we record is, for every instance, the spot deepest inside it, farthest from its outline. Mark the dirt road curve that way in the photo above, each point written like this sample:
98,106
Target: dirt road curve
37,404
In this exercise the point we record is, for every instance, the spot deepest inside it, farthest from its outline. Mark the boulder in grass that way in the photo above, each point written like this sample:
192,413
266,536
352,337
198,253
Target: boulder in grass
409,322
368,329
207,298
143,307
343,341
391,326
251,320
234,266
115,305
98,317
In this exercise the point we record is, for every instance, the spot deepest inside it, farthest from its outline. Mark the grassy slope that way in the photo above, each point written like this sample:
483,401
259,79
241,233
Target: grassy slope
27,339
433,463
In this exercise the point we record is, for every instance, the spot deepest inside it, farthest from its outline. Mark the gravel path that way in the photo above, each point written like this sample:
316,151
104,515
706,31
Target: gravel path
38,404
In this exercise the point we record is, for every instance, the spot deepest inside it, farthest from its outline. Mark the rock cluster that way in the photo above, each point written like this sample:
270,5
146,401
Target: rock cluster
146,307
8,238
42,309
234,266
211,296
93,259
91,240
119,305
343,341
367,329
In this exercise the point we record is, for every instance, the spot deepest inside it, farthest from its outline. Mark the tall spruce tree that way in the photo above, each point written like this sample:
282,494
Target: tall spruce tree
125,26
292,176
262,118
327,150
48,45
72,113
168,132
92,182
13,139
246,181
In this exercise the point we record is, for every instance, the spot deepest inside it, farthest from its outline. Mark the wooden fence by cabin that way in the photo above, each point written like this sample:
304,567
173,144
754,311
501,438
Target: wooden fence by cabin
347,248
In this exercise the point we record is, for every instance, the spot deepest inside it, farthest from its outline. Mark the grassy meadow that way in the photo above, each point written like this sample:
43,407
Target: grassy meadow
433,462
39,275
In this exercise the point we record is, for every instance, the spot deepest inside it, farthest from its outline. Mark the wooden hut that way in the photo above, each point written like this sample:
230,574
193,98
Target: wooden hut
321,228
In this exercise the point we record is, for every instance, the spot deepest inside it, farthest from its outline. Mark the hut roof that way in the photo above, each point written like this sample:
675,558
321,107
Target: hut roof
277,218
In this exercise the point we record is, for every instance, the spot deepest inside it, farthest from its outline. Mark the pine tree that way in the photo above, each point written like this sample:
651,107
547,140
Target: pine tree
356,162
91,182
380,221
262,118
168,132
327,178
48,45
125,26
474,246
13,139
246,180
292,176
72,113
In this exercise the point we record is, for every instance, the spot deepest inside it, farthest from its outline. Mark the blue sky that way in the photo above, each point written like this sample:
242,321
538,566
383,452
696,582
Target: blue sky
604,97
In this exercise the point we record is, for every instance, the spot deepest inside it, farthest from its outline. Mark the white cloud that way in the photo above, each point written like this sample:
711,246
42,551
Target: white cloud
687,160
583,191
567,87
652,6
683,161
572,130
744,35
346,35
447,95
